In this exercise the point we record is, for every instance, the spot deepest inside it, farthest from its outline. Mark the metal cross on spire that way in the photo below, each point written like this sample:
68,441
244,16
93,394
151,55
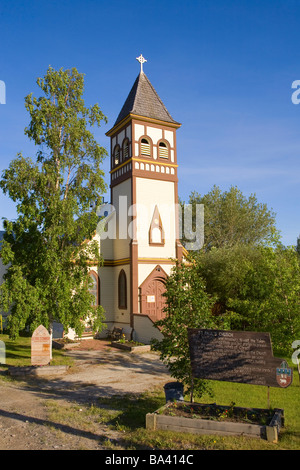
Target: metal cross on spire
141,60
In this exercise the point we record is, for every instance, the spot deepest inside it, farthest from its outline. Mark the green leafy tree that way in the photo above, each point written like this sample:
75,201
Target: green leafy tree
257,288
46,246
232,219
187,306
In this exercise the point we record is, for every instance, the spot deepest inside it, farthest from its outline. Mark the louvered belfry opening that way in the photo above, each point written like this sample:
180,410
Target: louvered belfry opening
145,147
163,150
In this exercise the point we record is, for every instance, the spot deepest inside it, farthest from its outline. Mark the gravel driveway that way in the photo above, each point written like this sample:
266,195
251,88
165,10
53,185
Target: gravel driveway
99,371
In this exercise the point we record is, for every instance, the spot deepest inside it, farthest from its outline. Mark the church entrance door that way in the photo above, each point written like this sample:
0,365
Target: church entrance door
152,299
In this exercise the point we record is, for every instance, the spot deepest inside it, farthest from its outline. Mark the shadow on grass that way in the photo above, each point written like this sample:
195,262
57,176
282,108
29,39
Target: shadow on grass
18,352
132,409
41,422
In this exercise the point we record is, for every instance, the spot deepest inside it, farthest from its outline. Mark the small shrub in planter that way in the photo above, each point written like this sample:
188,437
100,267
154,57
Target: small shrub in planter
214,419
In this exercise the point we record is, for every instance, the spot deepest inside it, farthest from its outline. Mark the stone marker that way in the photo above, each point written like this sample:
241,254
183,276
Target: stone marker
237,356
40,347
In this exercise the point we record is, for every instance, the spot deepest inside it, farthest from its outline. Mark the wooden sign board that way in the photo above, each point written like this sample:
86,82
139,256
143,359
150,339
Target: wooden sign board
236,356
40,346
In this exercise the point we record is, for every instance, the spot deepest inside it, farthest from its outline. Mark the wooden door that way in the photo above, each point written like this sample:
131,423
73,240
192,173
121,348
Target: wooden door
153,301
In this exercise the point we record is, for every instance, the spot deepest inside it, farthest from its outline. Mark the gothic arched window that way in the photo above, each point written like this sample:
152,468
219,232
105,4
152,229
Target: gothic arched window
156,231
95,288
122,290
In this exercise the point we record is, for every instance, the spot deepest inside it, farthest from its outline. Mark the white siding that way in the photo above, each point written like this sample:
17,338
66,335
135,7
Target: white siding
121,196
150,193
154,133
169,136
144,330
139,130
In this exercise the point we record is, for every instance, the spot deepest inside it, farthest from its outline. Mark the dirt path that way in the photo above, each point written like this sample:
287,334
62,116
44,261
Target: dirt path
100,371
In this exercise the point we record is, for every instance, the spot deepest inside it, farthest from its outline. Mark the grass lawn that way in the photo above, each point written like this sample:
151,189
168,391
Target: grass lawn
18,353
127,414
131,413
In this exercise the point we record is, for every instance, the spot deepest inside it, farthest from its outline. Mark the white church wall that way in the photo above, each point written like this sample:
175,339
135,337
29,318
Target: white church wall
144,330
107,291
154,133
122,204
139,130
169,136
150,193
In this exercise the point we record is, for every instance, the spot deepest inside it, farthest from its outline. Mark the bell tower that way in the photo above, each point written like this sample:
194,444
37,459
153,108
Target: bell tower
144,193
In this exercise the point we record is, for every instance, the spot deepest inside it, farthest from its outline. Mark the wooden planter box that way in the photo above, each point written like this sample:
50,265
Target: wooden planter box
130,348
158,420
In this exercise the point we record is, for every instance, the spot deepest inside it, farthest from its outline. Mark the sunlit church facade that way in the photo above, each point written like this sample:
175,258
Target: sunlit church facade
139,235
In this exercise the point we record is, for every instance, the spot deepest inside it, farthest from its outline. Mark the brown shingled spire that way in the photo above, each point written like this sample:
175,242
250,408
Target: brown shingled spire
143,100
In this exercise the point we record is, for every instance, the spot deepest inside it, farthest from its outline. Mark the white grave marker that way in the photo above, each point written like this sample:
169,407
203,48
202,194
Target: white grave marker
40,347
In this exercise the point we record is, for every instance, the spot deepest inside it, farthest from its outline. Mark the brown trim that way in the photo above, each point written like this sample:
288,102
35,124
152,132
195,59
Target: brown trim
114,130
131,120
116,262
164,129
165,124
131,116
153,175
155,162
178,245
156,261
150,161
134,294
121,178
155,274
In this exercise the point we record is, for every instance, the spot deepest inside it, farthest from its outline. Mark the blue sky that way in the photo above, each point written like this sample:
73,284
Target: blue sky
223,68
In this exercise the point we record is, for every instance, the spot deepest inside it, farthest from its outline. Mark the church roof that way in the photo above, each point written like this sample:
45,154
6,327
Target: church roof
143,100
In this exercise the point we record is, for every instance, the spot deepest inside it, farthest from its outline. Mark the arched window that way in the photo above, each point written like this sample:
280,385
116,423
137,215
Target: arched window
163,151
156,231
95,288
117,155
125,149
145,148
122,290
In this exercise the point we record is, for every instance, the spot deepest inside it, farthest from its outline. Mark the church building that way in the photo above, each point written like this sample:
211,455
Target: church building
139,231
142,218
